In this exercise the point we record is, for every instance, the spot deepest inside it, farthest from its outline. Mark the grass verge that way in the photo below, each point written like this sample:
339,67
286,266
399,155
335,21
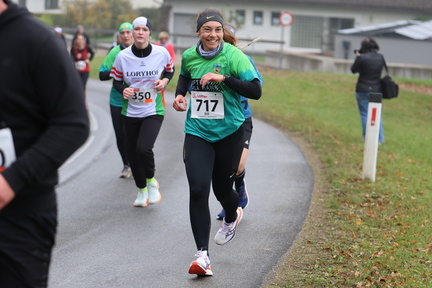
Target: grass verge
358,233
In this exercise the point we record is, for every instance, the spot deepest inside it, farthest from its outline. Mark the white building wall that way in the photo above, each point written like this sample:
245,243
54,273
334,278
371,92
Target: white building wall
38,6
362,17
146,3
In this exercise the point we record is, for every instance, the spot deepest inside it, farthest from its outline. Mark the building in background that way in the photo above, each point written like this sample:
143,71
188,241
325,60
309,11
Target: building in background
315,25
403,41
54,6
41,6
146,3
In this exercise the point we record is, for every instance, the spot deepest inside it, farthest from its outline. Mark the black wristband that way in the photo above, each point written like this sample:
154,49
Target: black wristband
226,77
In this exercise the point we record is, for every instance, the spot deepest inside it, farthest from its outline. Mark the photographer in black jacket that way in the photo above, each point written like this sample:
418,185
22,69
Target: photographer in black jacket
369,64
43,121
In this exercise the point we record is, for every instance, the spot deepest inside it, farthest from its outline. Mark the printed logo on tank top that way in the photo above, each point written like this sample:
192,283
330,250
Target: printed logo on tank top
210,86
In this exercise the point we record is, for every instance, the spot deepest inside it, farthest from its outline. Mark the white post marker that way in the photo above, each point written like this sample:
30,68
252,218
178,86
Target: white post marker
285,19
371,138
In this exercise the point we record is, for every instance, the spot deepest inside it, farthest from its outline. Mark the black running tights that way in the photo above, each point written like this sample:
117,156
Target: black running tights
216,164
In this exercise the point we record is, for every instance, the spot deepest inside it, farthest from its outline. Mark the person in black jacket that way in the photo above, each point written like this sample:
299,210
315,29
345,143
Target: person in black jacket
43,121
369,64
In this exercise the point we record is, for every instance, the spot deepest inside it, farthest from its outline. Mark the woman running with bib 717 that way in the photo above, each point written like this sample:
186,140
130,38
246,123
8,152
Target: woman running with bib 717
219,73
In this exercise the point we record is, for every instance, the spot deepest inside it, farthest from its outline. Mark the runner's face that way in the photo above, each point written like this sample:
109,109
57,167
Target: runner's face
211,35
141,35
80,41
126,37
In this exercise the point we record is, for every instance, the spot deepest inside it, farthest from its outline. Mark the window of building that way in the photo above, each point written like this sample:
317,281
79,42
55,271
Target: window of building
258,18
51,4
307,31
275,18
240,17
334,24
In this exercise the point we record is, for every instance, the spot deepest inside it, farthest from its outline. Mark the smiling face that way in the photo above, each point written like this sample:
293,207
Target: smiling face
211,35
141,35
126,37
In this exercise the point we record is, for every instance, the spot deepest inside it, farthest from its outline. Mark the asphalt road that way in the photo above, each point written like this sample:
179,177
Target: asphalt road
103,241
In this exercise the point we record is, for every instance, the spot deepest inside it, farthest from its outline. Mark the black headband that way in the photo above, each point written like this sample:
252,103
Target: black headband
209,17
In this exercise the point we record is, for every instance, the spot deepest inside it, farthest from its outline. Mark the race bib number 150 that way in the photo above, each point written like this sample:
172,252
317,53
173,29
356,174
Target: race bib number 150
207,105
7,149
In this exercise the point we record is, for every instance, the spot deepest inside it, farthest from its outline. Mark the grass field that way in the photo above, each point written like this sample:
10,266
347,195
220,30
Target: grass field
358,233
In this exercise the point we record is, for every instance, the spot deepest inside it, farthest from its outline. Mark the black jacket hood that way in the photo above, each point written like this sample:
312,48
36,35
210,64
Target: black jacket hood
11,13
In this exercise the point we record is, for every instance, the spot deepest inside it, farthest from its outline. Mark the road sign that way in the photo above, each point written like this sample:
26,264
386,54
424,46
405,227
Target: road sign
286,18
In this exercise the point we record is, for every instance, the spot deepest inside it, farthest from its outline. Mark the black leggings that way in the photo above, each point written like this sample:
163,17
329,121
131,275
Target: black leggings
211,163
84,77
141,135
120,134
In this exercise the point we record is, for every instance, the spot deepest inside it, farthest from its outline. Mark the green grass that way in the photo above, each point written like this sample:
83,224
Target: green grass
366,234
378,234
95,65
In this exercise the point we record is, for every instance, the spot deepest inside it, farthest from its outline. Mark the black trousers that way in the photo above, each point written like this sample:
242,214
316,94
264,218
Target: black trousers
120,134
141,136
26,243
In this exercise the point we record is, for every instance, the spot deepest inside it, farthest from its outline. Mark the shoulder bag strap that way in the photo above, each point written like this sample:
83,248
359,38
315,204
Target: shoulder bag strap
385,66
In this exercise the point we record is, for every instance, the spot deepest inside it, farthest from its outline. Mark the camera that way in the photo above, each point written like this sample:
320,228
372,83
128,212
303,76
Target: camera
358,50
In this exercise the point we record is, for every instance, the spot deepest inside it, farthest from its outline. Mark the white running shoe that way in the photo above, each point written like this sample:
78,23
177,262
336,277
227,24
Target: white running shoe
201,266
142,198
228,230
153,192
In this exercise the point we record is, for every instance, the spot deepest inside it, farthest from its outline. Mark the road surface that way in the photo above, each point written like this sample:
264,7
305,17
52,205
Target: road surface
103,241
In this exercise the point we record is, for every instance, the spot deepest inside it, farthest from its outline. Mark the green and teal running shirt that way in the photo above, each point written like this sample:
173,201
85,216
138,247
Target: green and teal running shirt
215,110
116,99
141,73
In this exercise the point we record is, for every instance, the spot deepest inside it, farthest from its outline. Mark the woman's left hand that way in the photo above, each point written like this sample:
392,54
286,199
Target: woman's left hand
159,85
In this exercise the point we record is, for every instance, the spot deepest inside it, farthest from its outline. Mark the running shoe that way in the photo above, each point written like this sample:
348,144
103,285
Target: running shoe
243,199
201,266
243,195
154,195
142,198
221,215
126,172
228,230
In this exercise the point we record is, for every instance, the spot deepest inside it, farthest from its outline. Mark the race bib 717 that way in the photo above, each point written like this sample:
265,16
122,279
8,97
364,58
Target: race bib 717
207,105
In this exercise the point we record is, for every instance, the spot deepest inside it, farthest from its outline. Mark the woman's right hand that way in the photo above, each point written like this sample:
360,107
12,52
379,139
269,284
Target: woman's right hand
180,103
128,92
